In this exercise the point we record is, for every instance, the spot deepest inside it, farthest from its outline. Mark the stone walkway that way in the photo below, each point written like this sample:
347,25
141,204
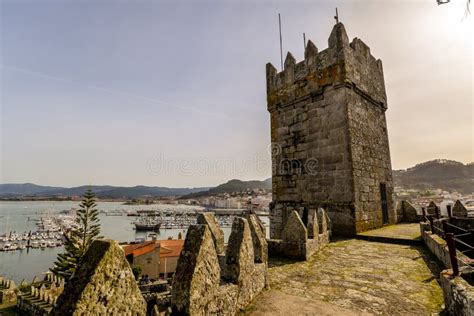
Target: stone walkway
354,277
399,232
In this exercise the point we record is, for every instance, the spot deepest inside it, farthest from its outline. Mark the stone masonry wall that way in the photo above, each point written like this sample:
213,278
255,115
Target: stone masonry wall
370,161
329,136
407,213
8,291
211,282
299,240
439,248
458,294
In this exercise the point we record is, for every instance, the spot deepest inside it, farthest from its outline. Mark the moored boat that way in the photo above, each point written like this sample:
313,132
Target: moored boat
147,224
7,246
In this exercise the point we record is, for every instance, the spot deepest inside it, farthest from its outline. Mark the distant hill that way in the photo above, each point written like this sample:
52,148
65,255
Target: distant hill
443,174
234,186
24,188
113,192
10,190
75,191
144,191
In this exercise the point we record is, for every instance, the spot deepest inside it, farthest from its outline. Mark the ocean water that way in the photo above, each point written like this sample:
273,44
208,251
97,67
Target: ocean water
20,216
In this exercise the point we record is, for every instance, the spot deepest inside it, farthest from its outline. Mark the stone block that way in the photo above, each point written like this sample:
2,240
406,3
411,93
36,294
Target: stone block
197,273
322,220
209,219
239,253
102,285
458,293
313,226
294,230
257,230
459,210
432,209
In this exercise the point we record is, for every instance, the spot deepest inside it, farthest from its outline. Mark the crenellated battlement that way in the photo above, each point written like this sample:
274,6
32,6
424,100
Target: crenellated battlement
328,125
343,63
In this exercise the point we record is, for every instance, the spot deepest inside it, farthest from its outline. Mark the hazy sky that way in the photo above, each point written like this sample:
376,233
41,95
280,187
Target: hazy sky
172,93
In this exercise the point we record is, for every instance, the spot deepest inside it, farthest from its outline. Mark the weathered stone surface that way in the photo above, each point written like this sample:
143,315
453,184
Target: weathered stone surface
197,273
407,213
329,129
432,209
322,220
7,291
217,234
459,210
239,253
313,226
257,230
356,277
458,294
311,50
295,231
438,246
103,285
289,61
204,286
295,242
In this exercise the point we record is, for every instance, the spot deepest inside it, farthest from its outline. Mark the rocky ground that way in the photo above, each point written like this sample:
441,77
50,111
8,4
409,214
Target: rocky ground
354,277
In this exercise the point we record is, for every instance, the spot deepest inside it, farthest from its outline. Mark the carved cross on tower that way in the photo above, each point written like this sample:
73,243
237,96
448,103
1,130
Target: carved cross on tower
336,17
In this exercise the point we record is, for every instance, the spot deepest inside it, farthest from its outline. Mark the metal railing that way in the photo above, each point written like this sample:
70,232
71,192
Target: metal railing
452,234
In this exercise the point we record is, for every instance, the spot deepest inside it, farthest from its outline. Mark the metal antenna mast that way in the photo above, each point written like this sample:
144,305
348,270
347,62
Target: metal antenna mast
336,17
281,42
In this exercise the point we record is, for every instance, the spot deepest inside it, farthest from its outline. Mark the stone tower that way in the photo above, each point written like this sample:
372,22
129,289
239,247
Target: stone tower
329,137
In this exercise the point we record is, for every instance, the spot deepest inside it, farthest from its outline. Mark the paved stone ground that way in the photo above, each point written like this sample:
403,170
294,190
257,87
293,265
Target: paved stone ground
354,277
407,231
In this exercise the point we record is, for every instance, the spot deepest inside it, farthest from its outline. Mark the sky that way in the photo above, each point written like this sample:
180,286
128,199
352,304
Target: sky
173,93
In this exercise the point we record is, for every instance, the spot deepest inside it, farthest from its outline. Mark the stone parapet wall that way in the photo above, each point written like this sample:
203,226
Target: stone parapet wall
39,297
341,62
407,213
212,280
459,210
8,291
458,293
439,248
300,240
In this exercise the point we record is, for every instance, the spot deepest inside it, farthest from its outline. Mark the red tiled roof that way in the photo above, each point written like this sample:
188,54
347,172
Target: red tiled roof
140,249
170,248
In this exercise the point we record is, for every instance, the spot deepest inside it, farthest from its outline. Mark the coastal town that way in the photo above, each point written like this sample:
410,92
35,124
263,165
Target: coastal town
164,159
155,260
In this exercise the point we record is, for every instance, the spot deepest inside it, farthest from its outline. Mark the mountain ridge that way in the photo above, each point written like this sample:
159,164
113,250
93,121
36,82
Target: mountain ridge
444,174
448,175
12,190
234,185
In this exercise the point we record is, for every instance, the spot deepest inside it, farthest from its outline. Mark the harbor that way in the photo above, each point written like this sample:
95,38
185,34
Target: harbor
49,233
20,218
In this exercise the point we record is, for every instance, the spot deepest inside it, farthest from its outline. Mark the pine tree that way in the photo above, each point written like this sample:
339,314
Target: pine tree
79,238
